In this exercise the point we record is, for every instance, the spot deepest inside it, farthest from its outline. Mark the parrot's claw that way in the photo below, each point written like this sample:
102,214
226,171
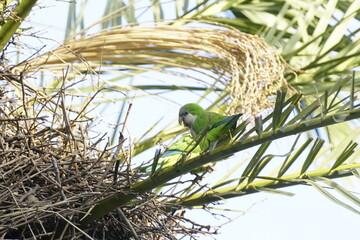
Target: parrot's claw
212,146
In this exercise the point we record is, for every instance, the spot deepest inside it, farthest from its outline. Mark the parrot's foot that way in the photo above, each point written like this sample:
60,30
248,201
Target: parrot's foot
212,146
181,160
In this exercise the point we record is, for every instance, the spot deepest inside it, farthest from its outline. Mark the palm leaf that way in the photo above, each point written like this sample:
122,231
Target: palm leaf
10,26
253,168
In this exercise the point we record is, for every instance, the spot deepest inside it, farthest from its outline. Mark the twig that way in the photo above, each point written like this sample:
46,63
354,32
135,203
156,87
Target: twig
117,164
24,105
22,119
127,160
113,159
66,119
32,191
57,174
74,226
127,222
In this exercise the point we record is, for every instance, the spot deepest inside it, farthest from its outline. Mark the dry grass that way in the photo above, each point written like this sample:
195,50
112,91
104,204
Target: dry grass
51,172
244,65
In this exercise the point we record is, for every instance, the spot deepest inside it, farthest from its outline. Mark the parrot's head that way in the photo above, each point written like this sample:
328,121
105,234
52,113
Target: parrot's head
188,114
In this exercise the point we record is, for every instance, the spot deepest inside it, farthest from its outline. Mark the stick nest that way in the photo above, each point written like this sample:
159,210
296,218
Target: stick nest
52,172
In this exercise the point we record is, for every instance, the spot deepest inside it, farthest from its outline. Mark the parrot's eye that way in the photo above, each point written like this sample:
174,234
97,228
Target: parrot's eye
185,113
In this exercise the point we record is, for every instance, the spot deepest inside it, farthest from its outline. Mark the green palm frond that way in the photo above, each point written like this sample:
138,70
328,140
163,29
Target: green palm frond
316,36
248,182
12,18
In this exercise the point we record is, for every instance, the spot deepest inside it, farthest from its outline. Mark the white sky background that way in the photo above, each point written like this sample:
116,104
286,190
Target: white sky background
307,215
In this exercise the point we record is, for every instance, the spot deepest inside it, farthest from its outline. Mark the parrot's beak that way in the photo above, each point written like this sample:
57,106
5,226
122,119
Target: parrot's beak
181,120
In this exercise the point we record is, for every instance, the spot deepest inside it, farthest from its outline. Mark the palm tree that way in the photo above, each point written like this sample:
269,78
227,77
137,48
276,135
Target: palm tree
290,65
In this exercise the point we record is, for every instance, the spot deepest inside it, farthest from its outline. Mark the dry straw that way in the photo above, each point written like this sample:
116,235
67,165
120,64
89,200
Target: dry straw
247,68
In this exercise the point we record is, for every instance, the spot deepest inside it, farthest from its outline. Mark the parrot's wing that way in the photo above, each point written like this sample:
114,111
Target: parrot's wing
219,131
206,120
228,123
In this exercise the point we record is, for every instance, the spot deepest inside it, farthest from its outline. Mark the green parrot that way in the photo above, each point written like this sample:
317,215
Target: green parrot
213,128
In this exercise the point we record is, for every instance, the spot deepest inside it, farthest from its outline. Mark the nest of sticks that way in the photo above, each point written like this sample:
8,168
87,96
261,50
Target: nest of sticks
52,172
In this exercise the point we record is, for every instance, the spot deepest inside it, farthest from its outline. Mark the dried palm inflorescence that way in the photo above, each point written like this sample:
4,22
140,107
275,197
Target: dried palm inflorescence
244,65
52,172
